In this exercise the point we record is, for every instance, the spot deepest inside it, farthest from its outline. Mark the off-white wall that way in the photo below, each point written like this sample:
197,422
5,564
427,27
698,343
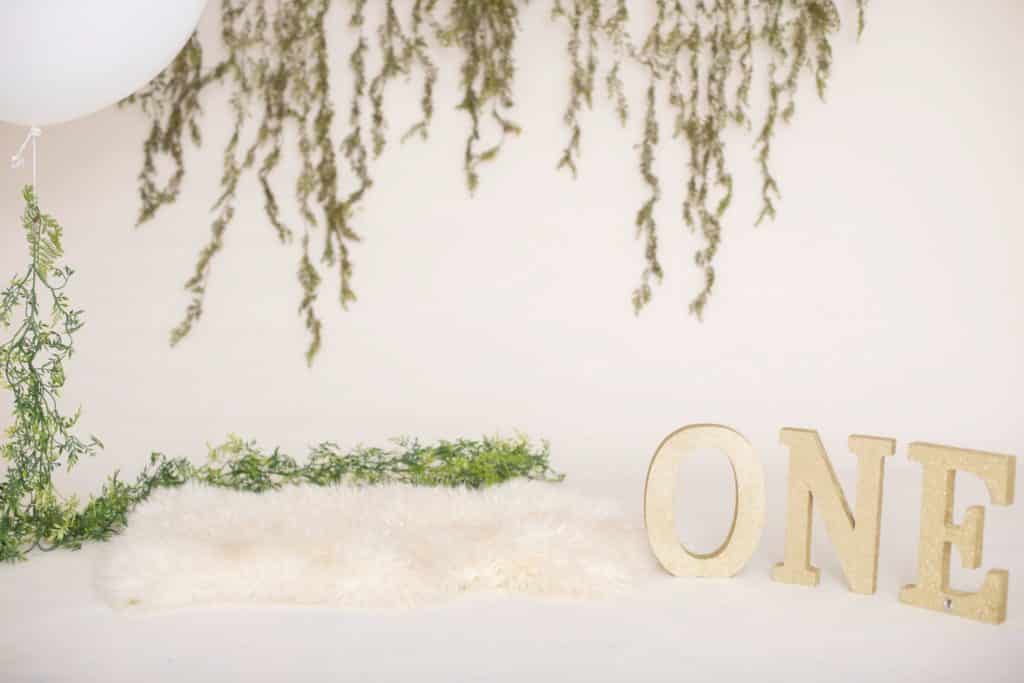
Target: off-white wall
885,299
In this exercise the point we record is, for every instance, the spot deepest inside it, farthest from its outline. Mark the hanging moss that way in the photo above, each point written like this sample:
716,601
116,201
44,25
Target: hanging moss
701,58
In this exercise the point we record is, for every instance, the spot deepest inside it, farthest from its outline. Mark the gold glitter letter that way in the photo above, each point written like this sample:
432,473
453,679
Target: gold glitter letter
659,512
939,534
812,480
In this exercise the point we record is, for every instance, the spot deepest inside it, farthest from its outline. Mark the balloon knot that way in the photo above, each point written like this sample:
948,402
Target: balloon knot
18,160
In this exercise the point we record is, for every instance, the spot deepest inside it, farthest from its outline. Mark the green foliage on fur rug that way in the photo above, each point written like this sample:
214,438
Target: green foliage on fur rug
243,466
41,439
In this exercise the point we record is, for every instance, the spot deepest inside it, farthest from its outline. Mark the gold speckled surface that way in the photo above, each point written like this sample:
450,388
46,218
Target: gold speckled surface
659,511
939,533
812,481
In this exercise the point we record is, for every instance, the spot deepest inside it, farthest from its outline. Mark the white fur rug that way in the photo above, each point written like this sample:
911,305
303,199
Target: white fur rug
384,546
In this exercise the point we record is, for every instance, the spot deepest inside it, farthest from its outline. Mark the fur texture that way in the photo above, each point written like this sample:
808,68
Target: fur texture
381,546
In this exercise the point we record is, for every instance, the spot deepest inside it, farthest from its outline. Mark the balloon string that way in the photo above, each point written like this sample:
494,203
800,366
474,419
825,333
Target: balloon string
19,158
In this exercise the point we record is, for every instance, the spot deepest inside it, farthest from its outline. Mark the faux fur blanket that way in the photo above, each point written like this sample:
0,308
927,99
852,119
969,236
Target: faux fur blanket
382,546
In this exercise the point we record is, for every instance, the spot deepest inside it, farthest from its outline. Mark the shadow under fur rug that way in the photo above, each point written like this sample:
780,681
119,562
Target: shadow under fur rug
374,546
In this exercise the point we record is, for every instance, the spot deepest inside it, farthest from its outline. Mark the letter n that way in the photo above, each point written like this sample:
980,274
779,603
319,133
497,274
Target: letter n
813,482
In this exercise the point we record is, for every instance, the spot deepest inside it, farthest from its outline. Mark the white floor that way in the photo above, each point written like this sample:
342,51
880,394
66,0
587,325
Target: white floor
54,628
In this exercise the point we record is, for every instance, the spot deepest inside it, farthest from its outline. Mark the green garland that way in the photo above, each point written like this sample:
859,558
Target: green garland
40,440
701,57
243,466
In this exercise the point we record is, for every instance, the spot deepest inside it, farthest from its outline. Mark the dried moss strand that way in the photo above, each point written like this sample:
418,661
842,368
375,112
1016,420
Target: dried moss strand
584,19
646,227
615,28
422,16
485,31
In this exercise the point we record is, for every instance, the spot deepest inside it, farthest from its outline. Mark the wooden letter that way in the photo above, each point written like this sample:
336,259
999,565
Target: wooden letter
748,515
813,481
939,533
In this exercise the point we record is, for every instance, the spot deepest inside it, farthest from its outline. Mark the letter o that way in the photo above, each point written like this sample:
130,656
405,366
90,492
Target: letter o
659,509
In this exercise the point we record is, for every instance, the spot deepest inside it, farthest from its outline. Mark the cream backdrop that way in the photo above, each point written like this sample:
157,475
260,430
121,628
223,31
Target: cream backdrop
885,299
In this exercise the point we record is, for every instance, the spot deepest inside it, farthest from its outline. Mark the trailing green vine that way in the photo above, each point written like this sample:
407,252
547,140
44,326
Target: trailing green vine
700,57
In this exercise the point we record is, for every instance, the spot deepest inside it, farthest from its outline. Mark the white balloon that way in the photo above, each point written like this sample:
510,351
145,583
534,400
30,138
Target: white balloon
62,59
